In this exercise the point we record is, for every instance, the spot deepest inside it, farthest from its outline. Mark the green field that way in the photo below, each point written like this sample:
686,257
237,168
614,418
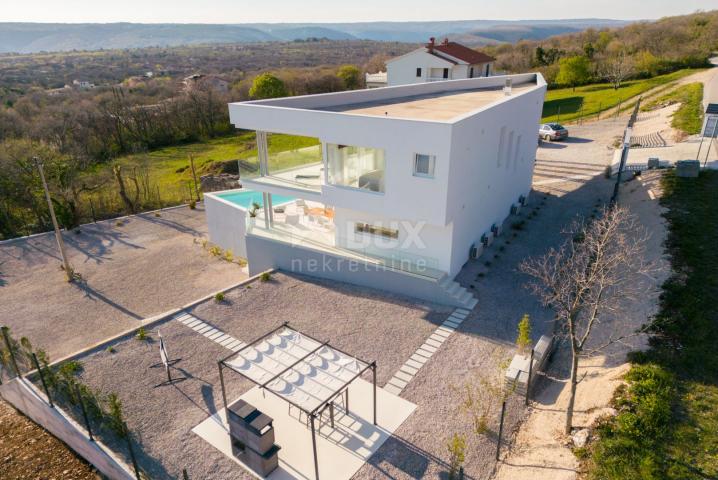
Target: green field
565,104
667,427
689,116
168,169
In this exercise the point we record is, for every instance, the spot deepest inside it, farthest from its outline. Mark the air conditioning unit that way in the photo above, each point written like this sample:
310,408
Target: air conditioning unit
485,240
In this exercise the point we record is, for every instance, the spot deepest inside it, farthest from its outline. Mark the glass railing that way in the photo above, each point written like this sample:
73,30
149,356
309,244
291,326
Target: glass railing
414,264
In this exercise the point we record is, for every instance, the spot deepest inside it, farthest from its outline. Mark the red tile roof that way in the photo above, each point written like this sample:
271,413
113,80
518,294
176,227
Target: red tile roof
461,52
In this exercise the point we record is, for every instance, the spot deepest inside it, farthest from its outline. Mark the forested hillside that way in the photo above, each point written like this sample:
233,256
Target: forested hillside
99,134
639,50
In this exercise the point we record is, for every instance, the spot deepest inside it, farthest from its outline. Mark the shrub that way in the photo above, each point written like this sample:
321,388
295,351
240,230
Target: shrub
219,297
215,251
265,277
141,334
115,420
192,204
523,340
457,455
228,255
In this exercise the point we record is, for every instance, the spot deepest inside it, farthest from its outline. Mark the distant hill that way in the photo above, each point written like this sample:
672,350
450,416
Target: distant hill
38,37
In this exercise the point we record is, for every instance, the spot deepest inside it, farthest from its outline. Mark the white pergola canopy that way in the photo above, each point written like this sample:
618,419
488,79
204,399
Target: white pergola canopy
302,370
305,372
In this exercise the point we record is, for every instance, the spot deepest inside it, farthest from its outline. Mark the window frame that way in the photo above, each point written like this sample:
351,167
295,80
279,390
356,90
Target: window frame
432,166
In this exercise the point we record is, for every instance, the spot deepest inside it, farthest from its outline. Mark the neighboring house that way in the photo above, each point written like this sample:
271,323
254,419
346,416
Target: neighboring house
402,186
436,62
82,85
199,80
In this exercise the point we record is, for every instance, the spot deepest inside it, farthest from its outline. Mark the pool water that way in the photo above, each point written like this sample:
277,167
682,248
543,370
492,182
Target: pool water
245,198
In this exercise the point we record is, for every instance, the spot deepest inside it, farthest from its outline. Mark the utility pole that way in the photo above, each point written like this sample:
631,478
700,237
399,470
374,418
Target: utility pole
58,235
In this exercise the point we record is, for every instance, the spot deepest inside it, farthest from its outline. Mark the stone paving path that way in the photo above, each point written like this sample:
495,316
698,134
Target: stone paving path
410,368
212,333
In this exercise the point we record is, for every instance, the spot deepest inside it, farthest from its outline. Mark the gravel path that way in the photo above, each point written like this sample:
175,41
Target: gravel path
142,268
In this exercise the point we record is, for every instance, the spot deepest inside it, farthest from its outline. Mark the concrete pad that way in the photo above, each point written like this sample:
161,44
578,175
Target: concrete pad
409,369
403,376
398,382
234,344
341,451
228,341
414,363
214,335
392,389
432,342
441,333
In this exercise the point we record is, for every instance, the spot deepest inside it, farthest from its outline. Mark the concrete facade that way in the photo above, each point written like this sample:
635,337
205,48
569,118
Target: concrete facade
483,159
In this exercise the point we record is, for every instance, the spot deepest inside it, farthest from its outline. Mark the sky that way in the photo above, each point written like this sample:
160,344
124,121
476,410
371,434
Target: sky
275,11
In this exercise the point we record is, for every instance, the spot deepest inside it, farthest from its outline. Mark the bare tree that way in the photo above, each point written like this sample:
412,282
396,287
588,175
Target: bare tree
588,281
616,67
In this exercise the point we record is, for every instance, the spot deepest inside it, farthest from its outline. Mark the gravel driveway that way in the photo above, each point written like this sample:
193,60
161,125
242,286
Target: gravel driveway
144,267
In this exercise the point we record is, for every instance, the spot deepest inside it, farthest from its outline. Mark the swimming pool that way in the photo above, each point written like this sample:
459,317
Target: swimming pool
245,198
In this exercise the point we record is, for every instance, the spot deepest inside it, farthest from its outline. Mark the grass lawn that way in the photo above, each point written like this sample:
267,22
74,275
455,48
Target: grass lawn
565,104
667,427
169,168
689,116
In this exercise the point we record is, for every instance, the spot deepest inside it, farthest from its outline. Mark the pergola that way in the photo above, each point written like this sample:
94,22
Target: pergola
307,373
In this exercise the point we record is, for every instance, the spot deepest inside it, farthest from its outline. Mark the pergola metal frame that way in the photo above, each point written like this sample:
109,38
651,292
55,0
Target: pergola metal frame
312,414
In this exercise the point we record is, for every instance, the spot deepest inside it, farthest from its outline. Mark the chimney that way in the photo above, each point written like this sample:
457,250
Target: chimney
430,45
446,41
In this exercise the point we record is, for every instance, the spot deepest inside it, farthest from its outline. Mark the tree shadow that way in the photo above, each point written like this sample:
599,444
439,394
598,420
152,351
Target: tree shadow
562,105
93,294
407,457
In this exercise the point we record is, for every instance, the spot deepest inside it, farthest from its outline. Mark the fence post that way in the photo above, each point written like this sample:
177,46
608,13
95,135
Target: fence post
184,474
559,114
9,349
528,381
84,412
461,473
501,430
598,115
92,211
132,451
42,379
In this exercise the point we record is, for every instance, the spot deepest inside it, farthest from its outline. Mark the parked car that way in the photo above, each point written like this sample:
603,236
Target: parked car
552,131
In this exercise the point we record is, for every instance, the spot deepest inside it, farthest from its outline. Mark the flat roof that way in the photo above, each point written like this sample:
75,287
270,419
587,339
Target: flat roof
431,106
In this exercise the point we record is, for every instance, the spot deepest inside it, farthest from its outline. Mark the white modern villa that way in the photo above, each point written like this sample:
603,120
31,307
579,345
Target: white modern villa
394,188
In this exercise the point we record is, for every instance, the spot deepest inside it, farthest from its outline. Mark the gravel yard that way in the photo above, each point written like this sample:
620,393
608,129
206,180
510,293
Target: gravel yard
370,324
144,267
365,322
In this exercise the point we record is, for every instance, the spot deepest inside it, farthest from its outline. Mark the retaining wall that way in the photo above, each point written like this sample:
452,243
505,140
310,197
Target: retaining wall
23,396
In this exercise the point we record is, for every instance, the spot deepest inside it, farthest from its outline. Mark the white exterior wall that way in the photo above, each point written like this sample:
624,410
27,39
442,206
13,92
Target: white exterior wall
226,224
483,186
416,239
402,70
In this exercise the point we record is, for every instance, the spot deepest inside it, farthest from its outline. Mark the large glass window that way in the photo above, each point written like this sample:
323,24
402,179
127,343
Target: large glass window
358,167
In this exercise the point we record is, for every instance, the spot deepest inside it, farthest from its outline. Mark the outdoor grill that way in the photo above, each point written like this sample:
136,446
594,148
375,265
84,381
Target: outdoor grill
252,436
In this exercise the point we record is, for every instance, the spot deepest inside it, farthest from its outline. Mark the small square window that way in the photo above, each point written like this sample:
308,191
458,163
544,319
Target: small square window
424,165
418,72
